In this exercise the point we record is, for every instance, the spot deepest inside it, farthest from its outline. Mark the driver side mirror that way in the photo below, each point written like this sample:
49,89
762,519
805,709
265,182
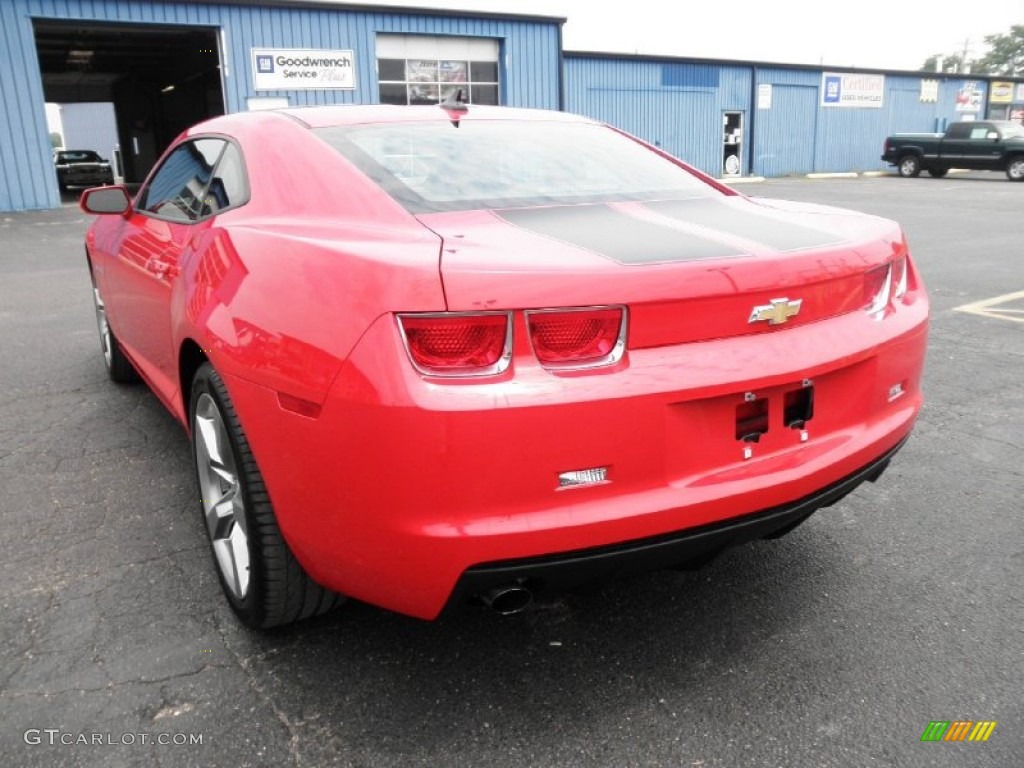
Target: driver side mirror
105,200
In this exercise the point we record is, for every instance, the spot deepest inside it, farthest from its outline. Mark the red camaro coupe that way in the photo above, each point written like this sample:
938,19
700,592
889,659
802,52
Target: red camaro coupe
445,354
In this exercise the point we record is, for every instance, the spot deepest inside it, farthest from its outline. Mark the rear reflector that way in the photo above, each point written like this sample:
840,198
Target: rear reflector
458,344
576,478
569,339
298,405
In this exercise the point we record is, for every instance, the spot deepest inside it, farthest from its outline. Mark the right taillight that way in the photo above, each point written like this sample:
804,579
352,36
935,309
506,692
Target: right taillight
899,278
884,284
876,290
580,337
458,343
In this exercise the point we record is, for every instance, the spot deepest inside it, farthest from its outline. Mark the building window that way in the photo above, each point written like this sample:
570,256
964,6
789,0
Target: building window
415,69
429,81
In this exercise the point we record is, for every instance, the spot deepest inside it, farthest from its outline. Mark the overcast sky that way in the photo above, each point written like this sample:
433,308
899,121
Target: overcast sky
886,34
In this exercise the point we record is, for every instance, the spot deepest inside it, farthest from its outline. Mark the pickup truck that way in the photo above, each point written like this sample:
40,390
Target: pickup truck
989,145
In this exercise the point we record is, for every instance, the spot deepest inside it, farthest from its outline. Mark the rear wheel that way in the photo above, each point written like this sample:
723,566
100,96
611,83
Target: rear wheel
261,578
118,367
1015,168
937,173
909,166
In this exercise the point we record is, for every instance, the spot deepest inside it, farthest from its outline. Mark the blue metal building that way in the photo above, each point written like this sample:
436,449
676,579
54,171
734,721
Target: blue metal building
775,119
53,50
675,105
166,64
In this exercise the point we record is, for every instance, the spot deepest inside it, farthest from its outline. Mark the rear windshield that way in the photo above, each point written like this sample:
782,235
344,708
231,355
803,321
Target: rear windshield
430,167
78,156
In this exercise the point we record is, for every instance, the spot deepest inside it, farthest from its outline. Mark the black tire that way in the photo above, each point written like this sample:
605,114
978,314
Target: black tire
118,367
909,166
1015,168
277,590
937,173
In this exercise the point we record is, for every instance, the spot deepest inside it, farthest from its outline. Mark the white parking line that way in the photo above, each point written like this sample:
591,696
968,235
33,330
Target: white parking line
990,307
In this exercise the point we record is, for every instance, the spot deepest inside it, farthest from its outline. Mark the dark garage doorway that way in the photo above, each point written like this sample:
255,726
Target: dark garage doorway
160,78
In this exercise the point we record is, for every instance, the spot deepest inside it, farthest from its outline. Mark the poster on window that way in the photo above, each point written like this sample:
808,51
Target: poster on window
1000,93
929,91
849,90
968,98
453,71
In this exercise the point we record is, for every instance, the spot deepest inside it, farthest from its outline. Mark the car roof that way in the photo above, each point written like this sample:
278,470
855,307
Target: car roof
356,114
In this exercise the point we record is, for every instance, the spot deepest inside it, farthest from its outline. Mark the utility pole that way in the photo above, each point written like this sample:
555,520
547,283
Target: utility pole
965,67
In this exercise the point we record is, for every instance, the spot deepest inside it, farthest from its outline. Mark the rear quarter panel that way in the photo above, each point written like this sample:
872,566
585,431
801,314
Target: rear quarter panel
280,289
283,305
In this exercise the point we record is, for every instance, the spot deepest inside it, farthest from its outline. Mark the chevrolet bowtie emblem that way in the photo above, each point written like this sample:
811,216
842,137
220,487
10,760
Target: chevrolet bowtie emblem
776,313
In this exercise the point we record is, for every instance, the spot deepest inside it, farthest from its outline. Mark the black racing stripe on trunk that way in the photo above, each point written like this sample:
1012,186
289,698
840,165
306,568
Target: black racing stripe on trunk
750,225
615,235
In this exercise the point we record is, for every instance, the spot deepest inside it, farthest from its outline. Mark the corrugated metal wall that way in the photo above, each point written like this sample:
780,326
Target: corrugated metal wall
674,105
784,133
27,177
678,105
851,139
530,72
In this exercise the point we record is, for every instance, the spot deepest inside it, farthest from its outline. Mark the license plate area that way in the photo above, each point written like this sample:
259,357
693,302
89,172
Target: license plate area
718,431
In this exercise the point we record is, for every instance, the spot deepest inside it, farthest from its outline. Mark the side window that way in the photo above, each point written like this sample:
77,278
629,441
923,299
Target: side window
958,131
228,186
980,132
178,188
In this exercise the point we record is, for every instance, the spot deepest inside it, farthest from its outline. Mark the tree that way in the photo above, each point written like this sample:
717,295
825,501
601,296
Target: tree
953,64
56,140
1006,53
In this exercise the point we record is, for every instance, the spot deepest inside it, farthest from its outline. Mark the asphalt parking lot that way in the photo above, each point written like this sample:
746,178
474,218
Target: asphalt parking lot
835,646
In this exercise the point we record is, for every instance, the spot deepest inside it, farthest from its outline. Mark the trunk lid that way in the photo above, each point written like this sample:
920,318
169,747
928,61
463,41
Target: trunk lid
688,269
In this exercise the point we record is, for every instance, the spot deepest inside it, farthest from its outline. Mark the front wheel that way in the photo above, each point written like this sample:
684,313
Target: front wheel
262,580
937,173
1015,168
909,166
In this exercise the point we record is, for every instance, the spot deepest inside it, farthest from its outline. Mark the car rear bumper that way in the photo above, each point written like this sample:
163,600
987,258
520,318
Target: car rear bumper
564,571
401,489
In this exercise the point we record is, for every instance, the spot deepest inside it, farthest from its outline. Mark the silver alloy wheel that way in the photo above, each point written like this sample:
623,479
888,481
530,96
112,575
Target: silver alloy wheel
223,502
104,326
1016,171
908,166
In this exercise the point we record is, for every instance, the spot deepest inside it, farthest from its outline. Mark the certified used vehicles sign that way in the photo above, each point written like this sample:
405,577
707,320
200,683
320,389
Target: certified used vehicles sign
289,69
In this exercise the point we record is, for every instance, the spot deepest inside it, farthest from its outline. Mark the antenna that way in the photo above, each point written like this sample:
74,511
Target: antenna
456,101
455,105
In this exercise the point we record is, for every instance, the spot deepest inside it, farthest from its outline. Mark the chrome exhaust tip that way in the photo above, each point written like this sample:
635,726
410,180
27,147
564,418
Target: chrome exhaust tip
507,599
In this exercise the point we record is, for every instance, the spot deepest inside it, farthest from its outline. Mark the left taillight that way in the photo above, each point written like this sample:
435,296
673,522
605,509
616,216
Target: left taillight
584,337
458,343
